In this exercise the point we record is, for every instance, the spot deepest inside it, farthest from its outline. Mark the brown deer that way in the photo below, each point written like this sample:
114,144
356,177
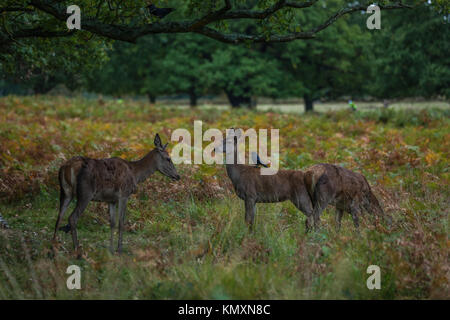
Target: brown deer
348,191
252,187
110,180
310,190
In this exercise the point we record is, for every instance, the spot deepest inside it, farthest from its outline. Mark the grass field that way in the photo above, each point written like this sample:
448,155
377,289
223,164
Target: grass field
187,239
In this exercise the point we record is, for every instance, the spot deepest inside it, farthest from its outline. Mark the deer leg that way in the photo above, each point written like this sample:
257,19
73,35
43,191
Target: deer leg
250,212
122,208
304,204
309,222
112,224
318,209
323,194
73,220
354,210
339,214
64,201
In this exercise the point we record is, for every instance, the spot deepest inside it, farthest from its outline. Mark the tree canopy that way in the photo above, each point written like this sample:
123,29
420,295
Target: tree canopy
410,55
175,55
273,20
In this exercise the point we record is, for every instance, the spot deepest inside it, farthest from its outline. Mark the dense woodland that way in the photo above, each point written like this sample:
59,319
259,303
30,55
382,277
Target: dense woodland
407,57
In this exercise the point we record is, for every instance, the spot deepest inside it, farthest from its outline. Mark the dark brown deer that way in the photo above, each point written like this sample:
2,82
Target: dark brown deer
110,180
348,191
252,187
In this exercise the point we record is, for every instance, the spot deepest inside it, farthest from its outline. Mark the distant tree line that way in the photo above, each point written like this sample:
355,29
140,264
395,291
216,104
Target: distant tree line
407,57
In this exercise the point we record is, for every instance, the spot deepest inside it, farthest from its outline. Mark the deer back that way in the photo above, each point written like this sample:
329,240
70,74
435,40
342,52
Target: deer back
249,183
345,183
112,175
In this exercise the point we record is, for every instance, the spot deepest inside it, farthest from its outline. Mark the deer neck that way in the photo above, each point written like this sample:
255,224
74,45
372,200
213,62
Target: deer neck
234,169
144,167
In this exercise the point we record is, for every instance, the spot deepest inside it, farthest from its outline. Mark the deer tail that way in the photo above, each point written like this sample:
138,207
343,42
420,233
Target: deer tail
61,176
64,185
312,180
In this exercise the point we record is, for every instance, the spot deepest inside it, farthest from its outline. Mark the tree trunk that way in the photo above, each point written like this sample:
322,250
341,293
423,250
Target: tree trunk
151,98
43,85
192,98
253,103
238,101
309,104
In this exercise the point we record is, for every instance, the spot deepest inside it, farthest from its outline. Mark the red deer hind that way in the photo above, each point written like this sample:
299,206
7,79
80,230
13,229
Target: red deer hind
348,191
110,180
252,187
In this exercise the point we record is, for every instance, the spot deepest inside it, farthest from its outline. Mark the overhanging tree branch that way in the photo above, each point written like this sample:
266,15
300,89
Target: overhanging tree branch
15,9
345,11
211,17
7,38
201,26
240,37
263,14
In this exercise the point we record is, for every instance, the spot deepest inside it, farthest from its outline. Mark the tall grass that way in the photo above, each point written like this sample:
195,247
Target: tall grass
188,240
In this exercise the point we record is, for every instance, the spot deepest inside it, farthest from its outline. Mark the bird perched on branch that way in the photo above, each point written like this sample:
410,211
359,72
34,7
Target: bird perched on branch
257,160
159,12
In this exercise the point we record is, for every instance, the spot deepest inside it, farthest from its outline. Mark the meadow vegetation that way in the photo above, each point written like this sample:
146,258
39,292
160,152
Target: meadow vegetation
187,239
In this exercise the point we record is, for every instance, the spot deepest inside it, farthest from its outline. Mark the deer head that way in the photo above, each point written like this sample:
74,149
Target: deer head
230,142
163,161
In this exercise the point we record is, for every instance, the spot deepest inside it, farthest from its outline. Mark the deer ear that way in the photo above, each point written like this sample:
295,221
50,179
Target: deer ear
165,146
157,141
237,132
